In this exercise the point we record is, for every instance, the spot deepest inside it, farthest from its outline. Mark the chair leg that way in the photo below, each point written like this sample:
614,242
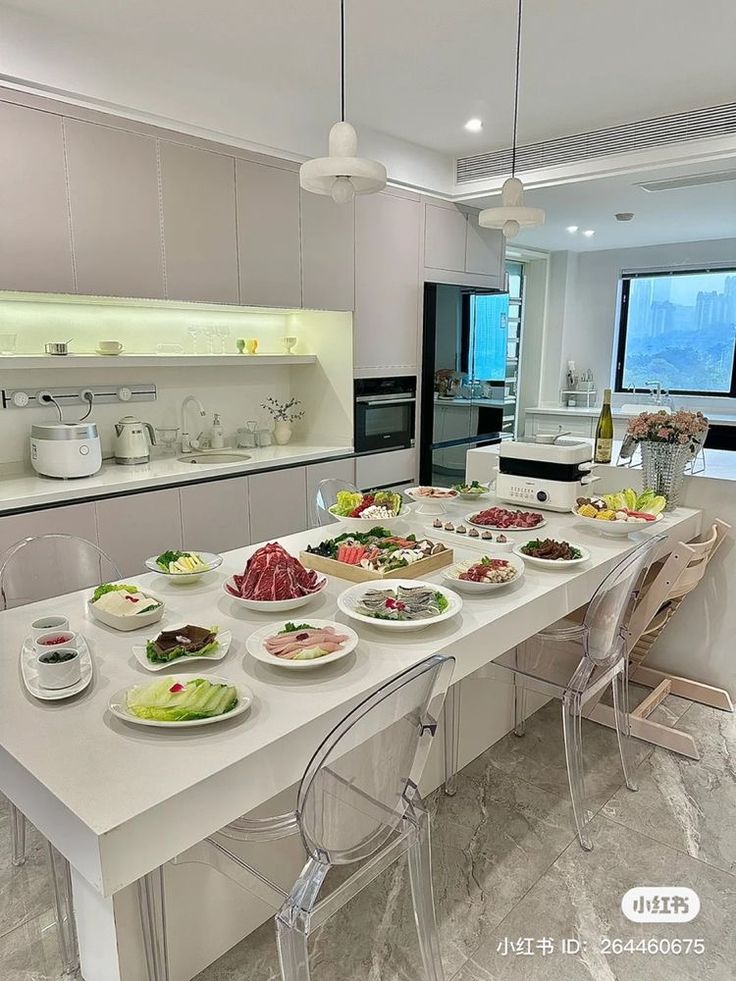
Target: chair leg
573,736
18,835
622,719
152,905
451,719
67,930
519,709
292,943
420,875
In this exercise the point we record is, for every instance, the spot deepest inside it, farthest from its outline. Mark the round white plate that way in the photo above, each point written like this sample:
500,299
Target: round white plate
616,529
212,559
29,672
552,563
273,606
118,705
466,586
256,646
469,520
365,524
224,639
346,603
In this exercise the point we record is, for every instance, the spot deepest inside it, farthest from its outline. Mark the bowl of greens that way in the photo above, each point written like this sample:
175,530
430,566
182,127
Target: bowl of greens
183,566
360,511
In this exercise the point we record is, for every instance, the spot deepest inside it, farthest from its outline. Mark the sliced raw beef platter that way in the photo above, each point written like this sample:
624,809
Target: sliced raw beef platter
272,574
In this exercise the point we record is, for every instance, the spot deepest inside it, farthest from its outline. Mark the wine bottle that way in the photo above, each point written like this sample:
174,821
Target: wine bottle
604,431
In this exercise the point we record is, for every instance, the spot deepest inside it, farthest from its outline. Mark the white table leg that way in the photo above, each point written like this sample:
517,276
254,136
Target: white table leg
96,931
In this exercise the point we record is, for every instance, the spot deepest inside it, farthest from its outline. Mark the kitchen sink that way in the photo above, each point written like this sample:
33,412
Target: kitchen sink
205,459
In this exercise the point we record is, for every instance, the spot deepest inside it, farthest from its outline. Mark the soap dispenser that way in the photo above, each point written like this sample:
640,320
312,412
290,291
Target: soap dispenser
217,438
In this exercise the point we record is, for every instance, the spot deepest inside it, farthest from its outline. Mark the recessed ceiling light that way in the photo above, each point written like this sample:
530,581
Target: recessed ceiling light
589,232
624,215
572,229
474,125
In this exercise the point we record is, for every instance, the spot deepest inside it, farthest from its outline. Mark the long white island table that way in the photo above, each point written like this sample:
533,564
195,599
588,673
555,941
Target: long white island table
119,800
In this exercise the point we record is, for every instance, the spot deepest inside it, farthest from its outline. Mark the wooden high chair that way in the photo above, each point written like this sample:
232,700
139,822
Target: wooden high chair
667,586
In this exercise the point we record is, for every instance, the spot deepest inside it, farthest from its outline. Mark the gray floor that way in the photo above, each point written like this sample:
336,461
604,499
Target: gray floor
507,866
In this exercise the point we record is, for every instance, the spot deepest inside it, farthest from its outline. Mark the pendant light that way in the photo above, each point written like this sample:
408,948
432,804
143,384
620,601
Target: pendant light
342,174
512,216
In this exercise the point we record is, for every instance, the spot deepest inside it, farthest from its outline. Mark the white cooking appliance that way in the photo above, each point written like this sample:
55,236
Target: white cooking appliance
131,444
550,476
66,449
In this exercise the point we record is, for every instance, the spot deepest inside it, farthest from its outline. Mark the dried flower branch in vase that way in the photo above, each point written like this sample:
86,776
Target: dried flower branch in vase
283,414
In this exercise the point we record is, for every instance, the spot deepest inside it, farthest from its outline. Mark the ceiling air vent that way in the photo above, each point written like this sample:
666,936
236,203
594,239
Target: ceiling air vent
645,134
693,181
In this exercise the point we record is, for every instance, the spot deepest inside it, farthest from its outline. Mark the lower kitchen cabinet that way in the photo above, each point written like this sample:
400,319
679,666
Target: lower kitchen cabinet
214,515
394,469
331,469
134,527
277,503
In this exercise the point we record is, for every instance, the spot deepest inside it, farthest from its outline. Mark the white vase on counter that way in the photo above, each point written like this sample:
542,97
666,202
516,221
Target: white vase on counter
282,432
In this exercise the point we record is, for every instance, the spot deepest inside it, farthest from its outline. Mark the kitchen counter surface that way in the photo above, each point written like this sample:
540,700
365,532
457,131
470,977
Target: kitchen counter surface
29,490
719,419
487,403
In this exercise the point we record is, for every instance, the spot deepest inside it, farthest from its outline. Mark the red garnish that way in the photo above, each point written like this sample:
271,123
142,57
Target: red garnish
394,604
130,598
176,687
53,641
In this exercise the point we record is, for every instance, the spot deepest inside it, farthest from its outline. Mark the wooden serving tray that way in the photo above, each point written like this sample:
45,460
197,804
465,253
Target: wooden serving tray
356,573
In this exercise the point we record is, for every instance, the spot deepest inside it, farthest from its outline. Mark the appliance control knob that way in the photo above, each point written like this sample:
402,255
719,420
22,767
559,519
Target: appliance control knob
20,399
124,394
84,450
542,495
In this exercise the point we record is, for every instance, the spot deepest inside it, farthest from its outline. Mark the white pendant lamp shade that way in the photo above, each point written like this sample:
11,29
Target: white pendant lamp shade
342,174
512,216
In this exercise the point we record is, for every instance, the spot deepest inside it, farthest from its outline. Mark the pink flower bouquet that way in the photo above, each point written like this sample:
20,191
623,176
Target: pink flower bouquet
681,428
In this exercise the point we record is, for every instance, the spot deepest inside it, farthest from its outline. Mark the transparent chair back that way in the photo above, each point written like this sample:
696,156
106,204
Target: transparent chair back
325,496
51,565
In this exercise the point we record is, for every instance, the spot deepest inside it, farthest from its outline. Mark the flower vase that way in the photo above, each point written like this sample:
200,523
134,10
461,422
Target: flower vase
282,432
664,468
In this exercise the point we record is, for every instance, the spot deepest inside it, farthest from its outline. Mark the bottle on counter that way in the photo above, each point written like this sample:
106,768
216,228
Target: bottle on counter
604,432
217,436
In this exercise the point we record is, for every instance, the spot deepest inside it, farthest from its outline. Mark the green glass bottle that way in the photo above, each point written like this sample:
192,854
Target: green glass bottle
604,431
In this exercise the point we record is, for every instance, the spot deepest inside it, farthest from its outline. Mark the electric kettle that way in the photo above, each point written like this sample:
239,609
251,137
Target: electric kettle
131,444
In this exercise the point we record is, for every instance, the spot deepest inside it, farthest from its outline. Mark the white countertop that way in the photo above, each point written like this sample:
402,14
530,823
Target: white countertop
483,402
23,491
119,800
717,418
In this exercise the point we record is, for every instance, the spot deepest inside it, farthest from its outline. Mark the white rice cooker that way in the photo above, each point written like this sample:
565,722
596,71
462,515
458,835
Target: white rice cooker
66,449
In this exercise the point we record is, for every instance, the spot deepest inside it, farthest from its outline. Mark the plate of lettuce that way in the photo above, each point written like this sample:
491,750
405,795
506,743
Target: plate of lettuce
181,701
183,645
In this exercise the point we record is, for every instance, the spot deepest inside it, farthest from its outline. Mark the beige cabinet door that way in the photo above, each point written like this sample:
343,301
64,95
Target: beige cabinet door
113,191
387,230
277,503
214,515
133,528
329,470
35,244
485,251
328,261
445,232
198,201
268,235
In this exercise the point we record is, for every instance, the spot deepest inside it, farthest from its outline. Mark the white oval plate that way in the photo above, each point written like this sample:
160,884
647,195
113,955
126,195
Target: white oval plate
346,603
118,705
466,586
224,639
616,529
273,606
469,520
29,672
552,563
256,646
365,524
212,559
445,494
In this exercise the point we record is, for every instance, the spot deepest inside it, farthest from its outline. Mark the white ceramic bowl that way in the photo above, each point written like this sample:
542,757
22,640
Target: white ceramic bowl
45,625
257,648
365,524
348,599
212,559
64,638
272,606
128,623
616,529
552,563
477,496
63,674
466,586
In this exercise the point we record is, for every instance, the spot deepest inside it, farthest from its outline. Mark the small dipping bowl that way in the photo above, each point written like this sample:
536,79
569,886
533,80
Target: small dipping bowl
59,667
46,624
53,640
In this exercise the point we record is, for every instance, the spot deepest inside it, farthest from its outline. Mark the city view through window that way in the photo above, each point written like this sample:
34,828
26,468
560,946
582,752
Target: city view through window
679,330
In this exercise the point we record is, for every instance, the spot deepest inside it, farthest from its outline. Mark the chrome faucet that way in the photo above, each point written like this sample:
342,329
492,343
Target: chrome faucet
187,443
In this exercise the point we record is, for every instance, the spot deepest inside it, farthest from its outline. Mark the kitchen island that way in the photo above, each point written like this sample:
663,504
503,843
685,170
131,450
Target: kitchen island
119,801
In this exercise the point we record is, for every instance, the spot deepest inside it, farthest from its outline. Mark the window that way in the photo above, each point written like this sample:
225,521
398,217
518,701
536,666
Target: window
488,336
678,329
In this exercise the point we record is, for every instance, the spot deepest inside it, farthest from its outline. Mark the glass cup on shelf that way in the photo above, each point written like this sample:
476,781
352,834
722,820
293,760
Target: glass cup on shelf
200,339
223,337
7,343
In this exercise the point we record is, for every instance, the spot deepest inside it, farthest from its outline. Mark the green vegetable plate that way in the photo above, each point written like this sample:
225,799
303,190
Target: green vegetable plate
181,701
216,652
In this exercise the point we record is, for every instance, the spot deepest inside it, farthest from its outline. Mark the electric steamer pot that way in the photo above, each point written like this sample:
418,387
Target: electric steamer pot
66,449
550,476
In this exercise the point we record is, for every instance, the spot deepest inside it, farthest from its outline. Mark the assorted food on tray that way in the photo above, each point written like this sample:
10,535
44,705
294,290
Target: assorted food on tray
402,603
506,520
178,563
272,574
551,550
181,701
473,489
304,642
377,549
188,641
433,493
123,600
375,506
625,505
488,570
472,532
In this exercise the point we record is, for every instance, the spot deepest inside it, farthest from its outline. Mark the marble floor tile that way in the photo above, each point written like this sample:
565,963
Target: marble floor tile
579,897
25,892
689,804
31,952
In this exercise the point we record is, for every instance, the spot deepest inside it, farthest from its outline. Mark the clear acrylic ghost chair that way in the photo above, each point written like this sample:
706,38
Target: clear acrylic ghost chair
325,496
357,802
31,570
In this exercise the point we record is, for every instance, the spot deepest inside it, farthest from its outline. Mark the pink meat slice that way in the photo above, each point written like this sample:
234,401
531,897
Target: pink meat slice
272,574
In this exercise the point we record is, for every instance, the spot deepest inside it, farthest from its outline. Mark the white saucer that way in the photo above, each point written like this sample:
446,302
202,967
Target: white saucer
29,672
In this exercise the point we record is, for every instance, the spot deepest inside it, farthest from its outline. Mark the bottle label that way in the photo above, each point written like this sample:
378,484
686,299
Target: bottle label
603,450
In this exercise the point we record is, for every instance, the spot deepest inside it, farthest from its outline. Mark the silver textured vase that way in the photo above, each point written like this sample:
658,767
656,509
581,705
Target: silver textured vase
664,468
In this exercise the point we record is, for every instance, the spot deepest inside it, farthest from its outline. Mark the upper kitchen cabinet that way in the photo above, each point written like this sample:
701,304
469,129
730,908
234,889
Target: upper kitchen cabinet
485,251
328,259
35,245
198,200
387,240
113,191
445,230
454,242
268,235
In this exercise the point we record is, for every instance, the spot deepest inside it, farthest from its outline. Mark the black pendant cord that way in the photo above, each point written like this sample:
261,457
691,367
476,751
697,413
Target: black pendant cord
516,89
342,60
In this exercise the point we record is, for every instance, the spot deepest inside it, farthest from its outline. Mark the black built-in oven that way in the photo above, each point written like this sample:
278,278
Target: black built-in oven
385,413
